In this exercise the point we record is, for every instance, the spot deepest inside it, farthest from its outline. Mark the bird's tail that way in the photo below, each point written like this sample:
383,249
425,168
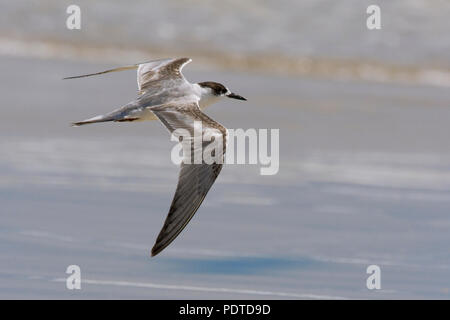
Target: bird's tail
96,119
120,115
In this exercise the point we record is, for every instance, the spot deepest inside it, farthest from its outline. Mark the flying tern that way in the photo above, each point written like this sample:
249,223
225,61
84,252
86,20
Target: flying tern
166,95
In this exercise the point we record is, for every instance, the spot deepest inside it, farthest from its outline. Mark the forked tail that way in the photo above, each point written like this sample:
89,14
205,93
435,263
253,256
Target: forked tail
119,115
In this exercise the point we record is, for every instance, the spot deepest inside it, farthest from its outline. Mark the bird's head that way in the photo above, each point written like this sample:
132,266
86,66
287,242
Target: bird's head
213,91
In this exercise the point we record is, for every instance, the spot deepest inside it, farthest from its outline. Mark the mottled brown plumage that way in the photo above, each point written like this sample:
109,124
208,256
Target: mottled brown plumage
194,180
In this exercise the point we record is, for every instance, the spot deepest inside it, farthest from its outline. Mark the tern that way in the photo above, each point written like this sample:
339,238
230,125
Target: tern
166,95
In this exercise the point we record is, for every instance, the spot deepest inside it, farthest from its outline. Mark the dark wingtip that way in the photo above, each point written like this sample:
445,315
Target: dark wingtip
75,77
155,251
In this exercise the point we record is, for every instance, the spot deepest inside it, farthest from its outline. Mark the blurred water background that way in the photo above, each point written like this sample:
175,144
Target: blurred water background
364,160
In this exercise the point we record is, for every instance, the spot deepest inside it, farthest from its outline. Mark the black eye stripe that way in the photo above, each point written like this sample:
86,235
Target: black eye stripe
216,87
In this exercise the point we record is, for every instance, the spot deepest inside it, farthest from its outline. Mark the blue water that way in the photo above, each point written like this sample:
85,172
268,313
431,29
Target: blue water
363,180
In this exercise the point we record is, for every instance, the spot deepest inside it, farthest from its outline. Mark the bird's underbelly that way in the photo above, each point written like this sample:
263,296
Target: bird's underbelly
147,115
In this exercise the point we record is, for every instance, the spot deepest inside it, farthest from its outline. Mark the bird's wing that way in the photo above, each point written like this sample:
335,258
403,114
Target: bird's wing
195,178
154,73
161,73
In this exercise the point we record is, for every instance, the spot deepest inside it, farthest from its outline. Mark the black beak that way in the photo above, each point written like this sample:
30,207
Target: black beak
235,96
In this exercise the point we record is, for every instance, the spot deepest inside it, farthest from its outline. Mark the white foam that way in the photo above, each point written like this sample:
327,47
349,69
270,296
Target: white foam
334,69
150,285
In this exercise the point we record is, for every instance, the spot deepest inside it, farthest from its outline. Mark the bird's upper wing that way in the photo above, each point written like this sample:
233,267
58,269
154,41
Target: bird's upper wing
195,178
161,73
155,73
